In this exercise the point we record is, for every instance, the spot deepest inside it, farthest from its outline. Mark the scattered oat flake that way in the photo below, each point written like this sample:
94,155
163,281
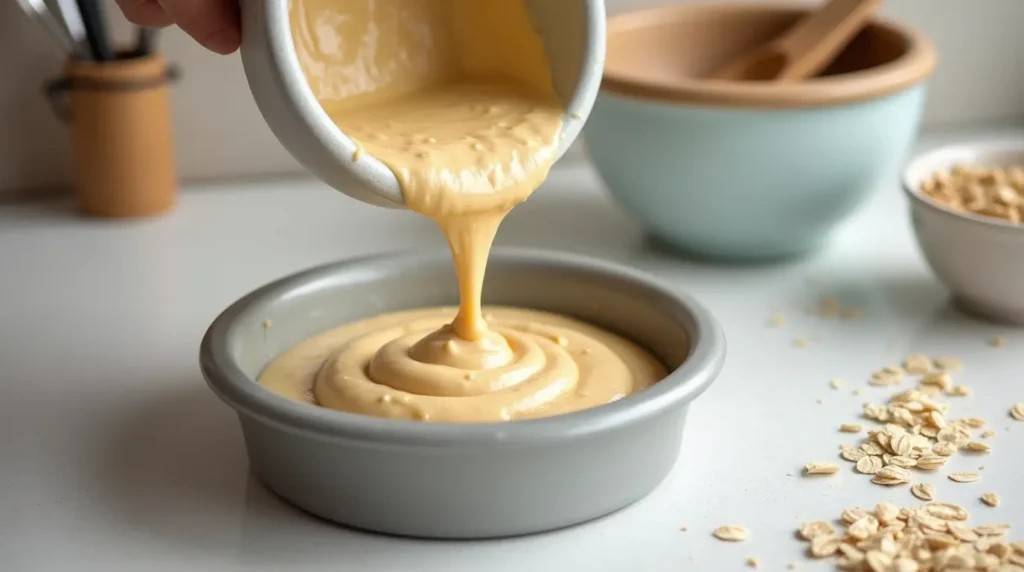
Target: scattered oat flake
931,462
883,378
904,462
939,378
946,511
905,565
997,342
753,562
863,528
853,455
923,491
973,422
1017,411
961,531
964,477
887,482
932,538
902,445
991,499
948,363
869,465
776,321
992,529
810,530
267,324
873,449
959,391
836,382
917,363
821,469
851,428
824,545
978,447
988,434
685,528
731,533
852,515
887,512
878,561
894,472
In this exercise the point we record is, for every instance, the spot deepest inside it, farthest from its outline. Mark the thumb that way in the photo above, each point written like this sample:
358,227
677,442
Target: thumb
215,24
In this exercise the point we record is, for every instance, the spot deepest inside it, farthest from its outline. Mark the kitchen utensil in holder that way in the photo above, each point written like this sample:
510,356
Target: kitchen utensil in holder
121,134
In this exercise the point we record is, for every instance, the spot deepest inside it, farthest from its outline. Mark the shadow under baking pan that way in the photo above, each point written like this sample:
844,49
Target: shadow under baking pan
172,472
263,505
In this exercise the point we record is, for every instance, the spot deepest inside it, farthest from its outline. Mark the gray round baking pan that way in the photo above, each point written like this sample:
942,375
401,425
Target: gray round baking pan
443,480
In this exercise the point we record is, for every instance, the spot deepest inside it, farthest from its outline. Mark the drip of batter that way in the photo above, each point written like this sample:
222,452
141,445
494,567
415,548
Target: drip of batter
455,97
464,155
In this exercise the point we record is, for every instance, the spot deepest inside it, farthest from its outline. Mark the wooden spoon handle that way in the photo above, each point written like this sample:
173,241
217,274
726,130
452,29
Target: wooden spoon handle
811,45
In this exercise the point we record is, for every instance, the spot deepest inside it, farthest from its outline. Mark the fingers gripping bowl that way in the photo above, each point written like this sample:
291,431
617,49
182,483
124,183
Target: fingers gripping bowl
448,480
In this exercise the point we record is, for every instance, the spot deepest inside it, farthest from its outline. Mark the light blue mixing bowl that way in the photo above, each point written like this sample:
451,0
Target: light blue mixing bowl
728,170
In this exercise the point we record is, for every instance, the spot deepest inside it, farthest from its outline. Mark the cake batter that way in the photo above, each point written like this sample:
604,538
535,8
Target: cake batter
455,97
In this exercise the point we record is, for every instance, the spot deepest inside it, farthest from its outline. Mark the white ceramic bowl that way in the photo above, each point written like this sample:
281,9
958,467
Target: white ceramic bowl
573,33
980,259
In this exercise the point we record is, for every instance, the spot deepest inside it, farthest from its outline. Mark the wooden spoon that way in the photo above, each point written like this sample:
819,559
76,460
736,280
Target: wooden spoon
805,49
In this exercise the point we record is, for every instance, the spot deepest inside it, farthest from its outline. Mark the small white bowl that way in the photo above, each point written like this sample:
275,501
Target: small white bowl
981,259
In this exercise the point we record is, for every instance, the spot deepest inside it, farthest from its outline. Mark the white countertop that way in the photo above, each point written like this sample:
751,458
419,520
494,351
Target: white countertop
114,456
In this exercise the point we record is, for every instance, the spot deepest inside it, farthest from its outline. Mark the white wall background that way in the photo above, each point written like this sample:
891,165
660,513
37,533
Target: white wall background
220,132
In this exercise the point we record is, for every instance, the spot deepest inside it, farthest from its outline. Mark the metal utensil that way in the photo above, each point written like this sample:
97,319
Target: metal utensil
71,18
40,13
95,30
144,41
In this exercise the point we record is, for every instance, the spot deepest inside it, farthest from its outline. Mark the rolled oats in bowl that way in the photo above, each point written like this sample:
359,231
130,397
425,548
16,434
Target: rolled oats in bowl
996,192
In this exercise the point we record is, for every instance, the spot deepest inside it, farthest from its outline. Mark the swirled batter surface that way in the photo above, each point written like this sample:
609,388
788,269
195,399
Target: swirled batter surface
410,365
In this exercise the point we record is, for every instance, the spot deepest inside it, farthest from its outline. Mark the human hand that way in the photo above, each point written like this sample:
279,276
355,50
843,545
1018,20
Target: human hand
215,24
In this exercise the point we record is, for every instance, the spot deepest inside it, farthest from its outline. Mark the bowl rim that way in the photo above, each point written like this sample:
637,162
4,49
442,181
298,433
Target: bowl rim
910,69
929,161
225,377
370,172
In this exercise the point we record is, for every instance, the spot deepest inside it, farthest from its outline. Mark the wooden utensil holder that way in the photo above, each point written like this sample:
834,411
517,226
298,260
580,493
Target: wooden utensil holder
122,139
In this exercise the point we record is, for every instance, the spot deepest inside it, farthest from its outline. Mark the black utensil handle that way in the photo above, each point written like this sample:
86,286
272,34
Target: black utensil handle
144,42
95,30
